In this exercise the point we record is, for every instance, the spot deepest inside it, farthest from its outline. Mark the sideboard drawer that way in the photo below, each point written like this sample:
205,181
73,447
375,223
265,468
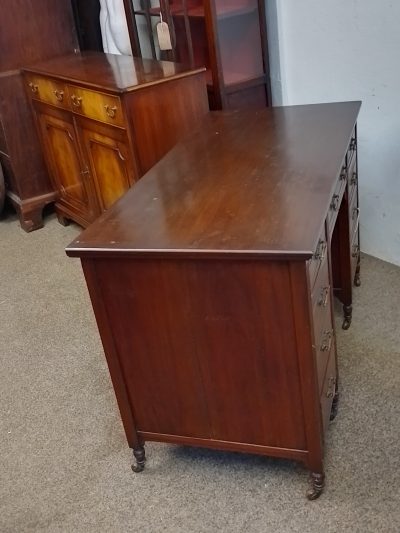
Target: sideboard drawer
47,90
96,105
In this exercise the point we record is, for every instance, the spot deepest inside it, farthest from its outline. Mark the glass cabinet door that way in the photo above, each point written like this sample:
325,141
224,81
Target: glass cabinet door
225,36
238,25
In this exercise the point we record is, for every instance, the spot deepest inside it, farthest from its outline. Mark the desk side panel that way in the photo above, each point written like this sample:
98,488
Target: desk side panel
207,348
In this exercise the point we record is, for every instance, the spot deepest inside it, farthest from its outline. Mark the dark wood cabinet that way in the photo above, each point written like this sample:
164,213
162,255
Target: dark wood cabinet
228,37
104,120
212,283
29,32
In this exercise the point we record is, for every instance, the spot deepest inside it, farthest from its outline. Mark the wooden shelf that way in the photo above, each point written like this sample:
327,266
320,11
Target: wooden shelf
224,12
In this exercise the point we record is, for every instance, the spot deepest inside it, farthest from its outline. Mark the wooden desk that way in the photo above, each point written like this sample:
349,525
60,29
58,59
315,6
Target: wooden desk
211,281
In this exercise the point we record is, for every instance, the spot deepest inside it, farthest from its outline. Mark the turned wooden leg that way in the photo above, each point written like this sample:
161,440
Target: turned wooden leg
347,310
317,482
335,404
140,457
357,281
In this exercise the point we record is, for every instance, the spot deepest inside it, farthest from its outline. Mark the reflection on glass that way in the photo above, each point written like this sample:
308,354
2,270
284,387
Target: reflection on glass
240,40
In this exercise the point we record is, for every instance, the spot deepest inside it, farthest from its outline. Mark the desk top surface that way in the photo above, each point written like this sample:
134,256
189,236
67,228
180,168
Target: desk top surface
110,71
249,183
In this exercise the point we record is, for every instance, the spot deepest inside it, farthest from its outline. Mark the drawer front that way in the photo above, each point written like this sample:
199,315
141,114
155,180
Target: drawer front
324,346
354,253
328,390
351,150
354,217
320,296
352,179
98,106
47,90
336,200
318,258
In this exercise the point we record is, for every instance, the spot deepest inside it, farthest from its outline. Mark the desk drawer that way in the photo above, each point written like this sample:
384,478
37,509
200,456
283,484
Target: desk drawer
351,150
328,389
336,200
354,217
354,252
317,260
352,176
47,90
98,106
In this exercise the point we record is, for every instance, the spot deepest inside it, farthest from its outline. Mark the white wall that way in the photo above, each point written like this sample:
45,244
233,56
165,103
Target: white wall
335,50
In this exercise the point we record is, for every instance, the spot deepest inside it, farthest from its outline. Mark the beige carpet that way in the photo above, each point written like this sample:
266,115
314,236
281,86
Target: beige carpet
64,462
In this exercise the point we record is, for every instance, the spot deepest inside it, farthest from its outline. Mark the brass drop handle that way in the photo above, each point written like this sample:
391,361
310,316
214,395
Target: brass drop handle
59,95
331,388
343,174
327,341
320,251
353,145
323,300
111,111
356,250
335,202
34,88
76,100
353,180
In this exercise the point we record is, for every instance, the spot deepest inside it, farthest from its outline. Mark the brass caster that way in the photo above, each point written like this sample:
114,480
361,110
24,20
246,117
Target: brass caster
317,486
140,457
346,323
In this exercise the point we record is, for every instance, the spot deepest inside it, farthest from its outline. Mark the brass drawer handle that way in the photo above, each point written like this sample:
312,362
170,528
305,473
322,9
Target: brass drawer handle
335,202
59,95
320,251
323,300
331,388
353,180
356,212
34,88
327,340
356,250
343,174
353,145
76,100
111,111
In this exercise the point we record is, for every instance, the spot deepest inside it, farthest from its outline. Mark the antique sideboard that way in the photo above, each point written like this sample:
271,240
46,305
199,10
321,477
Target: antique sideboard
212,282
104,120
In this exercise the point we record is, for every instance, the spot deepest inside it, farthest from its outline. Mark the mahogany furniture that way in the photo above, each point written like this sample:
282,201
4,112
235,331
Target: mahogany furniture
211,282
29,32
229,37
105,119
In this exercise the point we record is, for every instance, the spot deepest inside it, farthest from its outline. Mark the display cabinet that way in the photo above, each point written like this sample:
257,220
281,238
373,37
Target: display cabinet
228,37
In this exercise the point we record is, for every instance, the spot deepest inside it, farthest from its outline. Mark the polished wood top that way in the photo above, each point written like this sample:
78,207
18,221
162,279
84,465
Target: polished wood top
254,183
112,72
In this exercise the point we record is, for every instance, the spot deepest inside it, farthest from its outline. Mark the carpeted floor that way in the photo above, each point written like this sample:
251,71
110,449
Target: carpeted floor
64,462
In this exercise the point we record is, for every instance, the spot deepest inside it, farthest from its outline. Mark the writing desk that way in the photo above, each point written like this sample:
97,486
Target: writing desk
212,283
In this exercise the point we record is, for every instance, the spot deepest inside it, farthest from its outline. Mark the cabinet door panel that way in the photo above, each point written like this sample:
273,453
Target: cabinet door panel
107,154
62,155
